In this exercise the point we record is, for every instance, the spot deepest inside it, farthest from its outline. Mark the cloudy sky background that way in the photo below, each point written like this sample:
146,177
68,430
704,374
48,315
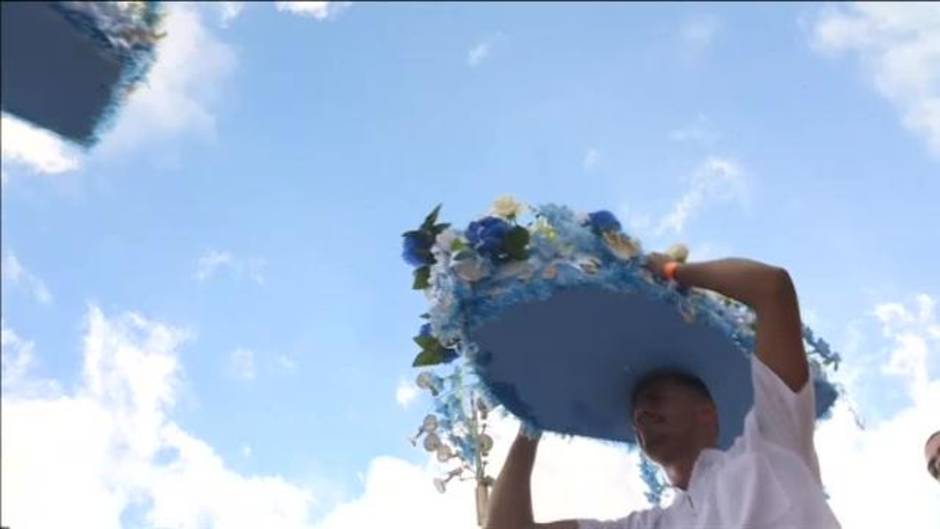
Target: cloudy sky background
206,322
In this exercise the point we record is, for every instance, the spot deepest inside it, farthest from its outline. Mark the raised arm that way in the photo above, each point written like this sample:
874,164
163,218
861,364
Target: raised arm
511,501
770,292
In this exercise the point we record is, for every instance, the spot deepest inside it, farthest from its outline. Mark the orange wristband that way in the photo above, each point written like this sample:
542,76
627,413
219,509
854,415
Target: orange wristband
669,270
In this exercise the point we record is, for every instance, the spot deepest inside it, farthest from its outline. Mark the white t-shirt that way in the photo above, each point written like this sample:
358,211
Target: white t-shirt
768,479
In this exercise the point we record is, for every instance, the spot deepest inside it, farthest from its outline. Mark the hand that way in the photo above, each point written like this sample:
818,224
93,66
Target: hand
656,261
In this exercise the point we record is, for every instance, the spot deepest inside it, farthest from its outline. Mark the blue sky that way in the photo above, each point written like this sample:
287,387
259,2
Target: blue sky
252,197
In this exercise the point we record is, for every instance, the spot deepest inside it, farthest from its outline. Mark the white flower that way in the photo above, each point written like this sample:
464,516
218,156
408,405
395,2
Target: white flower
678,252
622,246
430,424
506,207
431,442
589,264
445,240
486,443
471,269
428,381
519,269
444,453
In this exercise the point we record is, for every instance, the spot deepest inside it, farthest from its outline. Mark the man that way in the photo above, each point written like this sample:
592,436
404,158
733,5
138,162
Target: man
932,455
768,479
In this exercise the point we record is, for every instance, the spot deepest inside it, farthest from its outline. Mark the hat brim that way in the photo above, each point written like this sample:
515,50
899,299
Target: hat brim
58,76
569,364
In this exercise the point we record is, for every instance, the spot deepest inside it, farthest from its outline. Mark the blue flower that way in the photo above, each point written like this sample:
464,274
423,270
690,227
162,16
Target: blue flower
416,248
487,234
449,355
425,330
603,221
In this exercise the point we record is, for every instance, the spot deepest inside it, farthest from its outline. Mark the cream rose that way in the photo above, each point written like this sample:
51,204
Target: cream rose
506,207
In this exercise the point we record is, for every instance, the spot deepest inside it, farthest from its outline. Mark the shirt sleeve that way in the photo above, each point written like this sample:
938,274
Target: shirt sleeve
783,417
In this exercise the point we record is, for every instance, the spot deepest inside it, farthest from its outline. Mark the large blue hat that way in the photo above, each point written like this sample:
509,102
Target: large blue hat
67,66
553,316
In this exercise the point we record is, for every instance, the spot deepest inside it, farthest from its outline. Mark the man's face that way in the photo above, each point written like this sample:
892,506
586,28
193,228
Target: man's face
932,454
670,417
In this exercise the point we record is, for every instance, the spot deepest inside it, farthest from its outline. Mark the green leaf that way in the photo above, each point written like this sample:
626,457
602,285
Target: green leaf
438,228
425,316
427,342
458,245
428,358
515,243
431,219
422,278
463,254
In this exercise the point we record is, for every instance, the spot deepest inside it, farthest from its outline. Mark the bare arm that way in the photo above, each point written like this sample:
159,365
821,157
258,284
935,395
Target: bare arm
770,292
511,501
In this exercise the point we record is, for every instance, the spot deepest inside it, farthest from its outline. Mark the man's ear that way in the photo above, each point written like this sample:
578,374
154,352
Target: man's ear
708,412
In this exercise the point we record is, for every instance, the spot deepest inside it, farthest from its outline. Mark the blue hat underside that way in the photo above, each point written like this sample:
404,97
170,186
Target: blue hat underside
568,364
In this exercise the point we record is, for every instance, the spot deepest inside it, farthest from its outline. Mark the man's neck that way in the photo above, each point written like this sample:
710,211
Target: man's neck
679,470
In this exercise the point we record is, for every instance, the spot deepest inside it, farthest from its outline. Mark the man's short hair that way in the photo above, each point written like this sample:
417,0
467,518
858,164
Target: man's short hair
676,375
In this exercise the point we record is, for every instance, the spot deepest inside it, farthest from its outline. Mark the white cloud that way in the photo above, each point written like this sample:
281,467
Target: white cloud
17,359
37,149
242,364
482,50
698,33
179,93
715,180
898,45
591,158
637,223
891,451
286,363
229,11
126,454
405,393
118,422
572,478
16,355
320,11
317,10
700,131
15,273
210,262
123,453
213,262
477,53
914,333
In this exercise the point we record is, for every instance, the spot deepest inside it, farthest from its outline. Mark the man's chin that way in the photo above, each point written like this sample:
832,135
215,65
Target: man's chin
654,447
